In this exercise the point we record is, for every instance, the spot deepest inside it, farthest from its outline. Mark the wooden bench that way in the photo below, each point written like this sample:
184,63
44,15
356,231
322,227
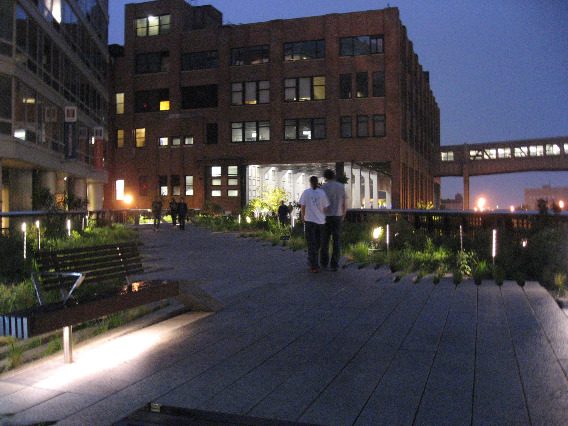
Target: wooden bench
64,271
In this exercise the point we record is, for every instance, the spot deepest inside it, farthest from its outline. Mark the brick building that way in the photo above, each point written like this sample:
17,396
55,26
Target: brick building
218,113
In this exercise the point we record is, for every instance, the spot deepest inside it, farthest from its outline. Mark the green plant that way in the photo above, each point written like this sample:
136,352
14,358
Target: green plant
457,276
465,261
359,252
14,353
498,275
480,271
440,272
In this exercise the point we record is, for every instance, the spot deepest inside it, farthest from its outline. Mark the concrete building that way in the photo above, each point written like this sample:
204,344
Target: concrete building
557,195
452,203
53,85
219,113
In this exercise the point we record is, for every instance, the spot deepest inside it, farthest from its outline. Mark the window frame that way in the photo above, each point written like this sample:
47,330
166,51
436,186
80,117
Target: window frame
296,86
294,51
315,125
239,92
242,56
239,128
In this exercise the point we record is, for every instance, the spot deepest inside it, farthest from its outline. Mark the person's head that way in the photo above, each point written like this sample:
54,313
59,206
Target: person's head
329,174
281,202
314,182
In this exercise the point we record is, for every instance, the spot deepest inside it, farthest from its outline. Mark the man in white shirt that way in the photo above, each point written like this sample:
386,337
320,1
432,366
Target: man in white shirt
334,216
313,204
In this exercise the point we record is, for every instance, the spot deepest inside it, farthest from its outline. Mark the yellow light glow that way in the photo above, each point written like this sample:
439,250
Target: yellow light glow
377,232
512,209
128,199
561,204
164,105
481,203
248,219
24,227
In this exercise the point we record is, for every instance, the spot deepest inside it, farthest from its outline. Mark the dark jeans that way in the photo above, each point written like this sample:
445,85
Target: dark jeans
157,219
181,221
332,228
314,233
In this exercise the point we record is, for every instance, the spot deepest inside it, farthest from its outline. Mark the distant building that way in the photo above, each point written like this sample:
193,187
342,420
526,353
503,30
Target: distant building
452,204
218,113
53,113
548,193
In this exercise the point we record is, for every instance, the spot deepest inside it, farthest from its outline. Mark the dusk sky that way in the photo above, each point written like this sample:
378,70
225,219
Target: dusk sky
498,70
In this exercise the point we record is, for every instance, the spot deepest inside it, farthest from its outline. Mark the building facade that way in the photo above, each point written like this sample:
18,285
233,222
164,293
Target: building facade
557,195
220,113
53,114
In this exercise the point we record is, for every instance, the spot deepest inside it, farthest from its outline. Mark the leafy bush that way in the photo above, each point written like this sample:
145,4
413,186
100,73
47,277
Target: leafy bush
480,272
13,267
359,252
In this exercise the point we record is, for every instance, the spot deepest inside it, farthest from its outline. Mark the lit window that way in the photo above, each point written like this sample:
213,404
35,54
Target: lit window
120,138
233,192
164,141
250,93
552,149
152,25
119,189
164,105
233,171
140,138
163,184
188,140
189,185
521,152
216,182
475,154
216,171
448,156
232,182
536,150
503,152
216,193
176,141
490,154
120,103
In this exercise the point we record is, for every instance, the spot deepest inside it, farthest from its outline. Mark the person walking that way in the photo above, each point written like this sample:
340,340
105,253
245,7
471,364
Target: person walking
313,204
182,213
282,213
173,211
157,212
334,216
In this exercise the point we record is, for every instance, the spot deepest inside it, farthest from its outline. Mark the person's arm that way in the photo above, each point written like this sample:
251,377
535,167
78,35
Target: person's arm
344,207
303,211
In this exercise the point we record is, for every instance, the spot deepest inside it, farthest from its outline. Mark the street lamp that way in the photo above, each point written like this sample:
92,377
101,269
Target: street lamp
481,203
561,204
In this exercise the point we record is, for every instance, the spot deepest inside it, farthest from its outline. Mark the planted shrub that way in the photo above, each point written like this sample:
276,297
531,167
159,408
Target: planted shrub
498,275
480,272
359,252
458,276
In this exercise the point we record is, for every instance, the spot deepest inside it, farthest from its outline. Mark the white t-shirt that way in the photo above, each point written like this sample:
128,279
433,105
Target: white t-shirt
315,201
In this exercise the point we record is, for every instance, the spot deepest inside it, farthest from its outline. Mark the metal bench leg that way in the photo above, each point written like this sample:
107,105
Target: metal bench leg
68,344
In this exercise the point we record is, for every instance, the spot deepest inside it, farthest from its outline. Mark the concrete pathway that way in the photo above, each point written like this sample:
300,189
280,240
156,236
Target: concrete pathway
347,347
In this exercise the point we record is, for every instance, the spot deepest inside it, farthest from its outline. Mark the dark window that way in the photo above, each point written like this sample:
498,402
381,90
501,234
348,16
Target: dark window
362,83
362,45
250,92
152,100
199,96
199,60
304,89
346,127
212,136
344,86
175,181
362,126
304,128
143,186
250,55
302,50
379,125
163,185
250,131
379,83
152,62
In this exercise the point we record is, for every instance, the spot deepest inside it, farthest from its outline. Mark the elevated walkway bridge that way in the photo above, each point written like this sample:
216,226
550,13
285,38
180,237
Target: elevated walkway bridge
547,154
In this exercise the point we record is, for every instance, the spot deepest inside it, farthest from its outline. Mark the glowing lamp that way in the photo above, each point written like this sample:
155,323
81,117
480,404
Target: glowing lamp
128,199
377,232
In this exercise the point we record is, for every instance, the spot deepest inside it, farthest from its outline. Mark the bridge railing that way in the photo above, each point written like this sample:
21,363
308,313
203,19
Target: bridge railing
450,222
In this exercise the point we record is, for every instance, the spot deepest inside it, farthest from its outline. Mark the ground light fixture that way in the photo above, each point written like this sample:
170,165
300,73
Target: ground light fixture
68,227
38,235
494,246
24,227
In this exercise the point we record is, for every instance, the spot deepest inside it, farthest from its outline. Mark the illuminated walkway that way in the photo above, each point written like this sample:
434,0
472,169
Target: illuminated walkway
329,348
